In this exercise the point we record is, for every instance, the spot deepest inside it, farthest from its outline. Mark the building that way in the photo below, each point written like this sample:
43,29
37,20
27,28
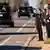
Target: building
33,3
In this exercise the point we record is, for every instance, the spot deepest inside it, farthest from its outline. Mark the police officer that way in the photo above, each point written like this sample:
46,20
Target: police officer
47,20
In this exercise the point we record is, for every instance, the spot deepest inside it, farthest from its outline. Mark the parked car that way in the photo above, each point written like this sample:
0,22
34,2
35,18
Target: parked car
5,18
23,11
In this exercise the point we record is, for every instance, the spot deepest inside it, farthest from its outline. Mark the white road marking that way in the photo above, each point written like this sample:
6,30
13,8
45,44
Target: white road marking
34,30
19,41
29,39
1,29
11,36
6,40
23,26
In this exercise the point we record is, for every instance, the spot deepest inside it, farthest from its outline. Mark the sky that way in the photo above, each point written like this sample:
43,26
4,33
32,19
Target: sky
33,3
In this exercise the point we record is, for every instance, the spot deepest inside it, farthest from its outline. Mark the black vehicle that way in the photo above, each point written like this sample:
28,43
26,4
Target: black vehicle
5,18
23,11
30,9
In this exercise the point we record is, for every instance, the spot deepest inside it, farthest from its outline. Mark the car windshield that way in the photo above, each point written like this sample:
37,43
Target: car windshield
22,8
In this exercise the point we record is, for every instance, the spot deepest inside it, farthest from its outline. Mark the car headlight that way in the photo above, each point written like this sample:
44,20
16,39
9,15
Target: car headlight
34,11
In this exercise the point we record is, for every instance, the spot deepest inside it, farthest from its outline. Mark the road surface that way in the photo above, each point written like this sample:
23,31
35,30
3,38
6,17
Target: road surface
18,39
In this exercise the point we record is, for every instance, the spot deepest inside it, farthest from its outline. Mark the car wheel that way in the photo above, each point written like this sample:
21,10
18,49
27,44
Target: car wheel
12,24
19,16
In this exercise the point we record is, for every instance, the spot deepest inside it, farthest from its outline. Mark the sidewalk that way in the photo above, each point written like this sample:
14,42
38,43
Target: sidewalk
38,44
46,47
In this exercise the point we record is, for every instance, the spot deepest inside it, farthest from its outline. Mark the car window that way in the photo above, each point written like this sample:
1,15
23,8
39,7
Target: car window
23,9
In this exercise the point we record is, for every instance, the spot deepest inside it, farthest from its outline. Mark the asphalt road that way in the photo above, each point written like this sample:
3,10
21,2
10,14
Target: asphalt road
21,39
